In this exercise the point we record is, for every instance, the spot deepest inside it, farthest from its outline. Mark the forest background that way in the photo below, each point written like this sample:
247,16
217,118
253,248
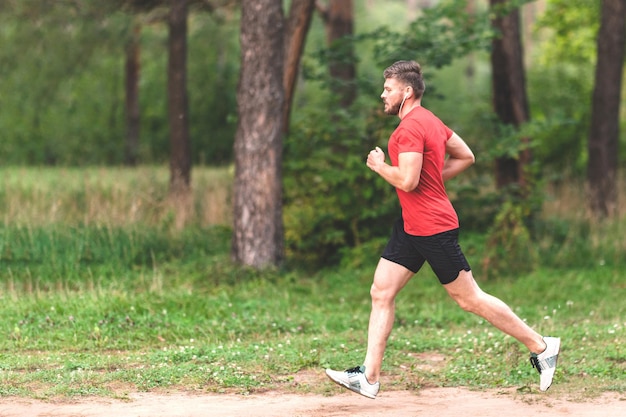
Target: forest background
94,257
85,84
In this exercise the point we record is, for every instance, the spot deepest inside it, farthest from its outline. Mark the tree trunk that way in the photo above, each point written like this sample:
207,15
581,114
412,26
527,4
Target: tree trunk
604,131
338,18
300,15
180,162
180,148
132,97
470,69
258,225
509,92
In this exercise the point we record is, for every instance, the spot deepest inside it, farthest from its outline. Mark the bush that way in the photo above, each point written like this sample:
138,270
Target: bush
332,199
510,249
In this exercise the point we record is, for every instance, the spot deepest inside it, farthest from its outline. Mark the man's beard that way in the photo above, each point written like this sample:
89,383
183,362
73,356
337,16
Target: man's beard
393,110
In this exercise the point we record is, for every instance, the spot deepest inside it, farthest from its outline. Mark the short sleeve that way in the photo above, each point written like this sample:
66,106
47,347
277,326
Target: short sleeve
410,137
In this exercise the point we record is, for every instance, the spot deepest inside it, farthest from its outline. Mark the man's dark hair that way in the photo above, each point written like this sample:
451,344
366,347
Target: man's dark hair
408,72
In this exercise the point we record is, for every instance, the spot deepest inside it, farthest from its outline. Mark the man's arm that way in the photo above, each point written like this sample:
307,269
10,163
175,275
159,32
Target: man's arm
460,157
405,176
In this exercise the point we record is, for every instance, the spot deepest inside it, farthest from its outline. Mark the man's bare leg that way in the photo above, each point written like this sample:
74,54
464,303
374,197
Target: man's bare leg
389,279
465,291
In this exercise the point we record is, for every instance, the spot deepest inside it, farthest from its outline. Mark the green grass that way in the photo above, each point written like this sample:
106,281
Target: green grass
111,307
188,324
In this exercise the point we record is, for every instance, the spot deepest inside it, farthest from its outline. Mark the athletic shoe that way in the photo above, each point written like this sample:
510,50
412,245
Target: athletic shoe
545,362
354,379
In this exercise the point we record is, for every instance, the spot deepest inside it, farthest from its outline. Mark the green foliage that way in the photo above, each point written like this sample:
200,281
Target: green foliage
214,67
63,100
510,249
439,35
572,27
560,99
43,120
561,82
332,199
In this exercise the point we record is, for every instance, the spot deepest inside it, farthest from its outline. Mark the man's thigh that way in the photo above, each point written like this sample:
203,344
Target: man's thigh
390,277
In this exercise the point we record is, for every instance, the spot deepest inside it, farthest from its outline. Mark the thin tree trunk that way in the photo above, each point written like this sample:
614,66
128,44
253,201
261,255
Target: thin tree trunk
257,197
509,92
180,148
298,23
180,162
133,69
470,69
603,142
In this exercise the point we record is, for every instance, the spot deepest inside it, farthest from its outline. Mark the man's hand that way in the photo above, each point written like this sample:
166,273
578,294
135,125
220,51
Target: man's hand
376,159
405,176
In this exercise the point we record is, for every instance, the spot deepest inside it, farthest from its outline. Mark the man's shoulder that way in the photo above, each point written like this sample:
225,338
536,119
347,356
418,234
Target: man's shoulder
427,119
424,114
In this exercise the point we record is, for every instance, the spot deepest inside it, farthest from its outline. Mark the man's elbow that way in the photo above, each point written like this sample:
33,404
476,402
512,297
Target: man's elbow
469,158
408,186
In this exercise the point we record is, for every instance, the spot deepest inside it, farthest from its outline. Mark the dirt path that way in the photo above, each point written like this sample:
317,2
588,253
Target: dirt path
440,402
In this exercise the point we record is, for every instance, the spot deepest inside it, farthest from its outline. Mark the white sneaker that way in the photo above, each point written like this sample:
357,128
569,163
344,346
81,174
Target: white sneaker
545,362
354,379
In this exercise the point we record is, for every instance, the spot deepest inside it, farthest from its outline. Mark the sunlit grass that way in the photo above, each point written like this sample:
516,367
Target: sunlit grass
108,196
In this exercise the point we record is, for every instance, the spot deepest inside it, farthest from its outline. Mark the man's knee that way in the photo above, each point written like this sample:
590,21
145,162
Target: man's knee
470,301
467,303
381,295
465,292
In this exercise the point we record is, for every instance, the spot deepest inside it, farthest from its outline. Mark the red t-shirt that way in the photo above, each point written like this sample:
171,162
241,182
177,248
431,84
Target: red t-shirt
427,210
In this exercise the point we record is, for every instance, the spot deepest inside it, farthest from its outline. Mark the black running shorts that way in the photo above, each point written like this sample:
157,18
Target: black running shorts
441,251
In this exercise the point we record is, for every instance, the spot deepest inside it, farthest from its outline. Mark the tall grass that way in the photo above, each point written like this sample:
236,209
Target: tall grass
108,196
570,236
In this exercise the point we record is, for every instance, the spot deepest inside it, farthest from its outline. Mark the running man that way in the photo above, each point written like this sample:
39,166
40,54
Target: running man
427,232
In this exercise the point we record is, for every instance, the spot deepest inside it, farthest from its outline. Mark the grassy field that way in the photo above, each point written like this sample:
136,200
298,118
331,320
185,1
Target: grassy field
102,296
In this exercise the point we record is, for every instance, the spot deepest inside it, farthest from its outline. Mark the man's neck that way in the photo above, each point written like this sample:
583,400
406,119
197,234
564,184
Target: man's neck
408,107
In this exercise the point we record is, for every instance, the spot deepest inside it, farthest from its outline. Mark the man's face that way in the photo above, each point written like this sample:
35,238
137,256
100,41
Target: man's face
393,94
